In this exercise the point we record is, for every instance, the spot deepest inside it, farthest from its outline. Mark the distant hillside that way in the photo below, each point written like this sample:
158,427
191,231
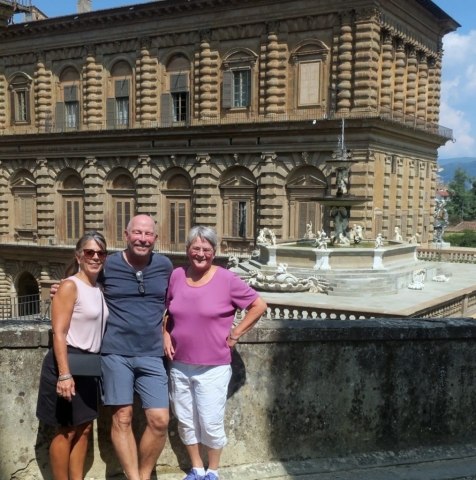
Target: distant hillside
450,165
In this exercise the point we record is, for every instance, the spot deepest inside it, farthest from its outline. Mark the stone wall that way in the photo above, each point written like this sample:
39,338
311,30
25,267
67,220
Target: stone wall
302,390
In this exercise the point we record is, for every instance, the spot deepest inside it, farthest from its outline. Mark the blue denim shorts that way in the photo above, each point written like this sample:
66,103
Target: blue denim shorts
122,376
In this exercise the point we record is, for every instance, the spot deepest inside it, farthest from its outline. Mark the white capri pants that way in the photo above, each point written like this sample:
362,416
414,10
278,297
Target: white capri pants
198,397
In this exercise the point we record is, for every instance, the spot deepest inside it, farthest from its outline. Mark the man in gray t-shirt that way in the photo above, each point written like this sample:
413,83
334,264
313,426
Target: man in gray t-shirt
135,284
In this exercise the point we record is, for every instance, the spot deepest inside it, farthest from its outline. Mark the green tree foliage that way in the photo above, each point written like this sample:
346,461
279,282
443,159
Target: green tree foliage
465,239
462,204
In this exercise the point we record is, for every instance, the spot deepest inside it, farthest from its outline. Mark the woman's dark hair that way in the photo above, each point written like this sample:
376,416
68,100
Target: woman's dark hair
73,267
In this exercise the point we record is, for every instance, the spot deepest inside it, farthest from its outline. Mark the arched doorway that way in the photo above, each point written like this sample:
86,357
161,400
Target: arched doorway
28,294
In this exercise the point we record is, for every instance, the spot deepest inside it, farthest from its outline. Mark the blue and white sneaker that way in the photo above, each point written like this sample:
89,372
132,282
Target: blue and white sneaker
193,475
210,476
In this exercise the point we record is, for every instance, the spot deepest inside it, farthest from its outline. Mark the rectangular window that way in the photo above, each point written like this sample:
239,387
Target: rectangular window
179,101
72,114
73,219
122,111
123,217
21,114
241,88
178,222
26,212
238,219
309,73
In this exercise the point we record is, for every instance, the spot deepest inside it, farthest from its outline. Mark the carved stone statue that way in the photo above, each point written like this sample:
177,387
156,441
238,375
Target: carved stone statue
414,238
262,239
321,240
340,216
309,233
441,220
342,180
282,281
398,236
379,241
418,279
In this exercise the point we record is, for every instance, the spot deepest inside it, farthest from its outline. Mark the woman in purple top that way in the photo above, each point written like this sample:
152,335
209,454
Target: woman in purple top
201,301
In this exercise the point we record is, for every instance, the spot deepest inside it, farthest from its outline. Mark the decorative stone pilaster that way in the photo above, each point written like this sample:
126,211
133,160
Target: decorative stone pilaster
147,112
400,66
3,102
92,90
271,195
205,189
432,78
94,196
208,78
45,206
387,72
367,56
412,76
422,88
344,76
275,90
146,187
436,107
5,280
5,194
43,94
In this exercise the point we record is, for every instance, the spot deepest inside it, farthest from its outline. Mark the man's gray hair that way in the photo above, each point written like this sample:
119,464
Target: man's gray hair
204,233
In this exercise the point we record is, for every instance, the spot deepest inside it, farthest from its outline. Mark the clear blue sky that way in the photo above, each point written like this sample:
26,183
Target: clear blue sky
459,68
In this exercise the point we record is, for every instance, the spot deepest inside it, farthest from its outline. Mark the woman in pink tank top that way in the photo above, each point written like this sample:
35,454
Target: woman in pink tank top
78,320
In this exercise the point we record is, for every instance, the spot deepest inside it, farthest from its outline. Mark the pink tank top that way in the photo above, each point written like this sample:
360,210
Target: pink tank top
85,328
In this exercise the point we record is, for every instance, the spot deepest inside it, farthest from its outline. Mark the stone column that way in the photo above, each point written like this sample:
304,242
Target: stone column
344,76
45,197
367,55
422,89
43,94
147,85
46,279
94,196
92,90
400,67
386,93
208,78
275,89
412,76
146,188
205,186
436,111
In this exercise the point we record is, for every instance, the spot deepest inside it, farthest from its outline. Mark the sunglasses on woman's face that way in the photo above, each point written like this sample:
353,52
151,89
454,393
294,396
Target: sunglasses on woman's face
89,253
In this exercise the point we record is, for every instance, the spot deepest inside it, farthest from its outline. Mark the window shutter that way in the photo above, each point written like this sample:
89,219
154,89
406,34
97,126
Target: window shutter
227,89
182,222
122,88
302,219
110,113
166,109
172,222
60,116
312,214
69,219
71,93
26,207
250,88
77,219
235,220
179,82
127,213
27,105
12,107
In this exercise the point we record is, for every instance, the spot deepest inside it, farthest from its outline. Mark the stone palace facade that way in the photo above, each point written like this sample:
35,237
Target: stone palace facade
221,113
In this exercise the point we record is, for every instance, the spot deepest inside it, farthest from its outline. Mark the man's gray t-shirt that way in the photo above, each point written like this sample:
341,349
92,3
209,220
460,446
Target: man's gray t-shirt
134,325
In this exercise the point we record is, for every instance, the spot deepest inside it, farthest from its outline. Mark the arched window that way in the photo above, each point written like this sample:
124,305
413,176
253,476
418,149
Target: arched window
67,106
20,92
118,105
304,188
70,215
238,79
238,192
23,188
121,190
178,191
175,104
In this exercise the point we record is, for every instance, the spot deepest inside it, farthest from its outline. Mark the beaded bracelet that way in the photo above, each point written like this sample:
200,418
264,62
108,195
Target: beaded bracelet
65,377
233,338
